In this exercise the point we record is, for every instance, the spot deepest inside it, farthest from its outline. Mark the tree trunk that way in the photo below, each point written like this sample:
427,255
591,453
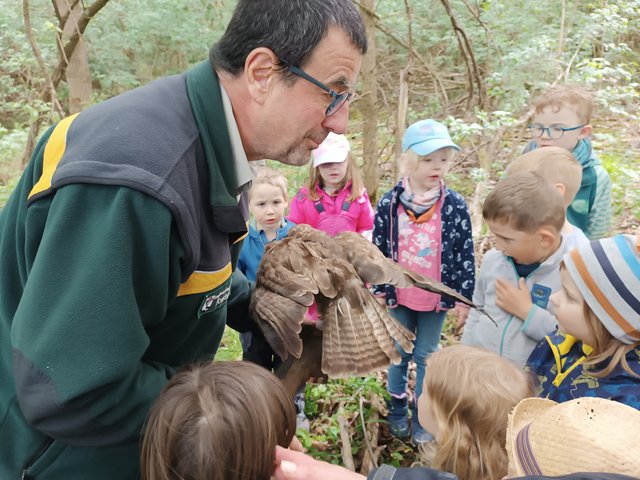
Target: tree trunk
368,106
401,120
66,52
78,74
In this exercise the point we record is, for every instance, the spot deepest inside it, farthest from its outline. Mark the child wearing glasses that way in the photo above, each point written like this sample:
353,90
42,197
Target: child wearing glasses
333,199
562,119
424,226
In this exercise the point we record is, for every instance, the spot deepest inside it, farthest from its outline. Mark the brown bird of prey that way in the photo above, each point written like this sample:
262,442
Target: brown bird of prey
358,333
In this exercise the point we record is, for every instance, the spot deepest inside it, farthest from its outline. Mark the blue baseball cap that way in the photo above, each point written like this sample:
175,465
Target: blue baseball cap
427,136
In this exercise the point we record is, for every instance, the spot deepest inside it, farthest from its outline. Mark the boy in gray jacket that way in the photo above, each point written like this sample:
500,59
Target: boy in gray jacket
526,215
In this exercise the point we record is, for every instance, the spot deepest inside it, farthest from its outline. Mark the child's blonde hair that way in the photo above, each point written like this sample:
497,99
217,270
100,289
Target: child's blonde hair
555,165
526,202
471,392
217,421
352,175
607,348
269,176
569,95
410,159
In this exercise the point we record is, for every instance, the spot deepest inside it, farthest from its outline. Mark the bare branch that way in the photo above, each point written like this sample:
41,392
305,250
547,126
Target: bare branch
412,51
51,86
467,52
407,8
476,15
88,13
366,437
347,456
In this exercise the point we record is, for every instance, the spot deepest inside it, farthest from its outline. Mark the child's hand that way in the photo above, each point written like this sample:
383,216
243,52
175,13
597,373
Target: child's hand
292,465
514,300
382,301
462,312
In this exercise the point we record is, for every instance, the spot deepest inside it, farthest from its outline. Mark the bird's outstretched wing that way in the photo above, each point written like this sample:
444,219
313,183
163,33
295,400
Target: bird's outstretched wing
373,267
292,272
359,335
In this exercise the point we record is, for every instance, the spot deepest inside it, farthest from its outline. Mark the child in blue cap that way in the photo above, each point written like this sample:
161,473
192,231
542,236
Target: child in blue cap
424,226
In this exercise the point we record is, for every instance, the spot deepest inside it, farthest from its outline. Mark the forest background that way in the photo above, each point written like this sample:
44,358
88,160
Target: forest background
475,65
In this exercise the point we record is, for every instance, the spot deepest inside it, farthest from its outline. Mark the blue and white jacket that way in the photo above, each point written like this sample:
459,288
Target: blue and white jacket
457,268
557,365
253,248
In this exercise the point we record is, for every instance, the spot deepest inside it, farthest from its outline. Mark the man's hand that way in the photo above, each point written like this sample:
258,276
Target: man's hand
291,465
514,300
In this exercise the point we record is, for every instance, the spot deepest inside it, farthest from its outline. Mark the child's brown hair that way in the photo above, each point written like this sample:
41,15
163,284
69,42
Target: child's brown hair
353,175
217,421
526,202
269,176
555,165
471,392
569,95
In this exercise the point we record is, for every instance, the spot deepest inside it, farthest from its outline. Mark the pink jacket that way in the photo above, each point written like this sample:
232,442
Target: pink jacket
333,213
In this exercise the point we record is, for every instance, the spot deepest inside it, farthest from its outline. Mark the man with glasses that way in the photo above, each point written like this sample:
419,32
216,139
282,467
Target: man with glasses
119,244
562,119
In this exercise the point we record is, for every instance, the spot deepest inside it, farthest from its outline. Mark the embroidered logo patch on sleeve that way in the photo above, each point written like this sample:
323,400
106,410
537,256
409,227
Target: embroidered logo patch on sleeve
215,299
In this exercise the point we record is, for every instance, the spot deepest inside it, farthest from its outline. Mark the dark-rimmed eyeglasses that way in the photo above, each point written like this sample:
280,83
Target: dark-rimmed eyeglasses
553,132
339,98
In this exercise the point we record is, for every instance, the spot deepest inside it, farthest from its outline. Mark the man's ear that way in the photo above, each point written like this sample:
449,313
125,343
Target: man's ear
260,71
586,131
548,236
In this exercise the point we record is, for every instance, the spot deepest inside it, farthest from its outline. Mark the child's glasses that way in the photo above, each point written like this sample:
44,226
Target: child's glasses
339,98
553,132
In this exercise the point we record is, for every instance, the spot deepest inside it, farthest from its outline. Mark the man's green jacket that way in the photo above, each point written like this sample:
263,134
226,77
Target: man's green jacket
117,251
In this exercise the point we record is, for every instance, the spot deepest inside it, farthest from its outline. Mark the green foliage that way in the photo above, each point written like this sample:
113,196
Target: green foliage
230,347
11,144
326,402
134,42
20,76
519,51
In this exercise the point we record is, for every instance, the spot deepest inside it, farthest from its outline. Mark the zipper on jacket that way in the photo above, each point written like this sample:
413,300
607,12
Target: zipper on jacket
34,459
504,332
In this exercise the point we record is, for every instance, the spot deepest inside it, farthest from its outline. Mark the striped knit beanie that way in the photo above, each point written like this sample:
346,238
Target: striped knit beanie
607,273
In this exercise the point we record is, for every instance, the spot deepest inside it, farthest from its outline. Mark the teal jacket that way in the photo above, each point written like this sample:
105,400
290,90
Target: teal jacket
590,209
117,250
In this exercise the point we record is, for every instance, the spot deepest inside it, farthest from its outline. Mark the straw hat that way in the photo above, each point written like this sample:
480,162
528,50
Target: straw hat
582,435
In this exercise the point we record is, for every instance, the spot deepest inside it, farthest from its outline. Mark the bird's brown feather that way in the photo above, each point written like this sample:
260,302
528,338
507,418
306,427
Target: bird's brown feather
359,334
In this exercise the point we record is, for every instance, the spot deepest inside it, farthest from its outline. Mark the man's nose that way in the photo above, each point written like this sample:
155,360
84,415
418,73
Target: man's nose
337,123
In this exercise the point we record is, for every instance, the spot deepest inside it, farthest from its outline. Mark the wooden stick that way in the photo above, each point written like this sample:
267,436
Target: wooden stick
345,448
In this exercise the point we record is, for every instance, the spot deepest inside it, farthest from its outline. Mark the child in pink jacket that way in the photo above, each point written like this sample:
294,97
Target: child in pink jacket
334,199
